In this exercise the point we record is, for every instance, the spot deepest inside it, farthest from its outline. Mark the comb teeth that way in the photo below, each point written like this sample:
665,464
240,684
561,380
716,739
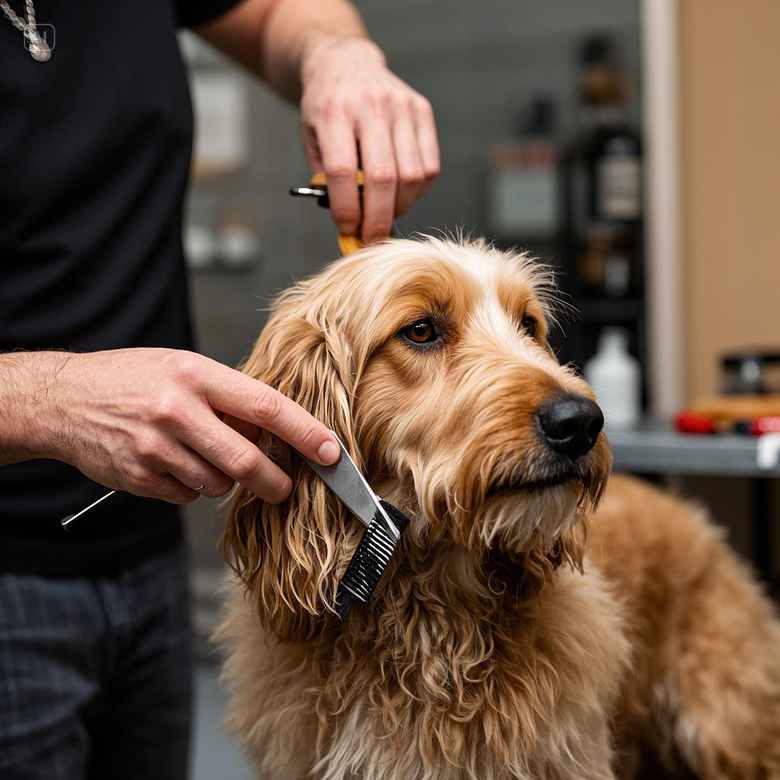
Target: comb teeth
369,561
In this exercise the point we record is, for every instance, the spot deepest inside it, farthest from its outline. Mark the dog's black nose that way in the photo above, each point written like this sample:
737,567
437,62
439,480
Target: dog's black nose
570,423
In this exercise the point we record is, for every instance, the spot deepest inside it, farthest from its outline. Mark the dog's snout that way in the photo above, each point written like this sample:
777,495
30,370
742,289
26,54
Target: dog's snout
570,424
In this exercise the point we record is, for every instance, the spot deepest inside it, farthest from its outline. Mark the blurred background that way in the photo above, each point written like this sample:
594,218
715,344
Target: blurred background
632,145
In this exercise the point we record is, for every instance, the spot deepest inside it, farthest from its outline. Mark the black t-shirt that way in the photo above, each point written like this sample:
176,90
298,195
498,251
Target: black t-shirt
95,149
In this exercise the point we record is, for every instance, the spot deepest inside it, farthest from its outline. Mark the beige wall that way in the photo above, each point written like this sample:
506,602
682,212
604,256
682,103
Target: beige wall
730,62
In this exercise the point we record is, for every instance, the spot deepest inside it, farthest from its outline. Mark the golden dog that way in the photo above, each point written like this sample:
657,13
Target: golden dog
525,628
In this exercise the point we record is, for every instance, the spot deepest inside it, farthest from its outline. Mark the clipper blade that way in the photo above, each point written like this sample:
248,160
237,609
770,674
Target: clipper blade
369,561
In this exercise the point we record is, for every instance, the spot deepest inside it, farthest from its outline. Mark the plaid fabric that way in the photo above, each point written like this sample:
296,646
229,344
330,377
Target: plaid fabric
95,674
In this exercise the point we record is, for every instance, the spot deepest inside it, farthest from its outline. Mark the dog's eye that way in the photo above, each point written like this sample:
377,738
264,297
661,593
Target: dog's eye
420,332
529,326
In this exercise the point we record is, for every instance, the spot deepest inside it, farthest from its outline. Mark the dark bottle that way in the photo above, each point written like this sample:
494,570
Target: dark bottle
608,230
613,165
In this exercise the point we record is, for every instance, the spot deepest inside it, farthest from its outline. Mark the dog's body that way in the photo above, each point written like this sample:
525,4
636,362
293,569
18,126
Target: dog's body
495,648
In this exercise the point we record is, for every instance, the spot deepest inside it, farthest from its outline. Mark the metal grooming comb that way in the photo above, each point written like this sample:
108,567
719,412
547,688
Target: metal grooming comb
384,526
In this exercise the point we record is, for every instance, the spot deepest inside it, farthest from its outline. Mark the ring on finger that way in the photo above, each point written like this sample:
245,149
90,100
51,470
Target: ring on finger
199,488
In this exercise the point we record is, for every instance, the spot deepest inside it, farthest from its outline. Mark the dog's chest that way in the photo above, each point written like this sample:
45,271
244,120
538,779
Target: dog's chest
482,705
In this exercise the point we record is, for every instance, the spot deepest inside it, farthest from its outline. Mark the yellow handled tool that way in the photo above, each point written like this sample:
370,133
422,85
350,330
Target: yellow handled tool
318,189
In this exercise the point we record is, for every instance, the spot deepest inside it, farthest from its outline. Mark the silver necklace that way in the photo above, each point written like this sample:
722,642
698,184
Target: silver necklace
38,48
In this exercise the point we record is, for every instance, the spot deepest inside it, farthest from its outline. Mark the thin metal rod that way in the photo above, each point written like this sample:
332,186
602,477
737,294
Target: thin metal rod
66,521
308,192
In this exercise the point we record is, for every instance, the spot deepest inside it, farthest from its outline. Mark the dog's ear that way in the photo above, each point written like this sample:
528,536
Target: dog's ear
291,555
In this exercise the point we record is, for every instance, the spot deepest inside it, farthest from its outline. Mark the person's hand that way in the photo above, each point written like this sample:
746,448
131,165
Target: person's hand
150,421
351,99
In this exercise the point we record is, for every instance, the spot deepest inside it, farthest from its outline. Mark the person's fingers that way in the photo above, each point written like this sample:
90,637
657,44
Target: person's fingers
411,174
196,473
166,468
338,149
164,487
248,430
428,143
240,459
312,149
261,405
379,170
229,391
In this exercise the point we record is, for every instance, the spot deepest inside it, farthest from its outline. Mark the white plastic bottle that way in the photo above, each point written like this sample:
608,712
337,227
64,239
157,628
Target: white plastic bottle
615,377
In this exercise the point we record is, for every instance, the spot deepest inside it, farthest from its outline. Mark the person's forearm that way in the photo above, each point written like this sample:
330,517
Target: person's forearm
298,32
280,39
354,111
154,422
28,404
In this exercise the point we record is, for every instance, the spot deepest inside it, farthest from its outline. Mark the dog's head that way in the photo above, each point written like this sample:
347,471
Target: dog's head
430,360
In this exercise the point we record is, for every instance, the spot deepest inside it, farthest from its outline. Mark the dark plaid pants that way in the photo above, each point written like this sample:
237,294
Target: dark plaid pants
95,674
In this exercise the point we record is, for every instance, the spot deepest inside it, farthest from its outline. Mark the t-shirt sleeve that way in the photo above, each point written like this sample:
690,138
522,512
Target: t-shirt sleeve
192,12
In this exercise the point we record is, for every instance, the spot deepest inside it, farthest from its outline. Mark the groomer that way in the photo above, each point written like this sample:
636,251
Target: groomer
97,386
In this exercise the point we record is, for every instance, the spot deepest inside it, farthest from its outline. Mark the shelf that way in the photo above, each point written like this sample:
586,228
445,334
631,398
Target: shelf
653,447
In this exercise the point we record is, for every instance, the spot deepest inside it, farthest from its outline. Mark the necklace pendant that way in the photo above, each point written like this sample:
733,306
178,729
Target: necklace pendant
38,48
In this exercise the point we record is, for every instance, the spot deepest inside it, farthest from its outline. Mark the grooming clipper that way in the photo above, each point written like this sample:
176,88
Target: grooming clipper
318,189
384,526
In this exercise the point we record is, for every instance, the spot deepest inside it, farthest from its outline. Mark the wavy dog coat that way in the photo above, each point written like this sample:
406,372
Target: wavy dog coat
540,620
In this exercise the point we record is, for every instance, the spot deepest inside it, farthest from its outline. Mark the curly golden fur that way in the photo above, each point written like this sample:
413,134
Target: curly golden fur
494,647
